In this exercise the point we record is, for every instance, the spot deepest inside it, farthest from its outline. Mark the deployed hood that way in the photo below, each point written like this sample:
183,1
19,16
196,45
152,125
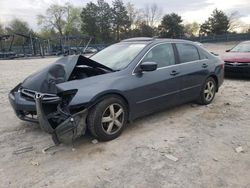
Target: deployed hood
45,80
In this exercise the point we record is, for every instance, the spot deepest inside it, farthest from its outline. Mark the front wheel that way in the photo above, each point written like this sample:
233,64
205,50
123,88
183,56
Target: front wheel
207,92
108,118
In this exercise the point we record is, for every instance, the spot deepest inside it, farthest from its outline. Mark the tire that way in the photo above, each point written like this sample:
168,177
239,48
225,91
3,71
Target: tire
108,118
208,92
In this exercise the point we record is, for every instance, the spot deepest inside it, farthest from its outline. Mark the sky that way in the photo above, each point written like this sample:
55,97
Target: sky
190,10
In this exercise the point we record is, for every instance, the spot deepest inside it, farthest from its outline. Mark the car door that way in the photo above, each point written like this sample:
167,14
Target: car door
157,89
194,70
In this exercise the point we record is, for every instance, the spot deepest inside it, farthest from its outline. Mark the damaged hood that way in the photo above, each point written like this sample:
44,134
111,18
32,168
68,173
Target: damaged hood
45,81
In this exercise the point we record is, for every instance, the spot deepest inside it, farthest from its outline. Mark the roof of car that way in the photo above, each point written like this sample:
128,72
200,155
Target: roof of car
156,40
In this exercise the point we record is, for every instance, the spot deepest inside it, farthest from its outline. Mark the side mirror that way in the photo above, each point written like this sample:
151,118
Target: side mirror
148,66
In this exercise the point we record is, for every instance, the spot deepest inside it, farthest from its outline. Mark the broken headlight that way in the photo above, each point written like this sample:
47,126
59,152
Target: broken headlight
67,96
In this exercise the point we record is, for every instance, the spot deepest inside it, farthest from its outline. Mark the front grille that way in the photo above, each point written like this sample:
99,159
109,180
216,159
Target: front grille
238,64
30,95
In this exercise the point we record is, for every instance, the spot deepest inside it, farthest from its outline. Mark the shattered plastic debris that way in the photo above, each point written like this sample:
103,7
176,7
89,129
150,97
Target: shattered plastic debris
171,157
34,163
239,149
23,150
95,141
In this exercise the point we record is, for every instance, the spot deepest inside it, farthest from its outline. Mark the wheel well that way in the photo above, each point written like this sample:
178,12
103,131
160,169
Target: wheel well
100,98
216,81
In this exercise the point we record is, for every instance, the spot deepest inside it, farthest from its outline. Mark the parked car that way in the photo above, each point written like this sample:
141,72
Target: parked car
237,60
124,81
90,50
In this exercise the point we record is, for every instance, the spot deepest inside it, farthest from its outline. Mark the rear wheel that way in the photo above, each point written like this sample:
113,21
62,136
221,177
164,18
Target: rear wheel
108,118
208,92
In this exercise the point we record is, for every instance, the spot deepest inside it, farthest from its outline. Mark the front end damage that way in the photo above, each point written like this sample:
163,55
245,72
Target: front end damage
41,99
61,124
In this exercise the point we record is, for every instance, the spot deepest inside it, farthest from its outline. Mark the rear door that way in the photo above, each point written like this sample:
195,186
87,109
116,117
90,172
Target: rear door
157,89
194,70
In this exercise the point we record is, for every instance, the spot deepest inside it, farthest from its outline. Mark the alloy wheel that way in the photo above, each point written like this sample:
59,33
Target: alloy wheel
209,91
113,119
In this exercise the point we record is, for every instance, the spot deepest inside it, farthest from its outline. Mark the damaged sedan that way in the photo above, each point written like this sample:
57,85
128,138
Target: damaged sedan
125,81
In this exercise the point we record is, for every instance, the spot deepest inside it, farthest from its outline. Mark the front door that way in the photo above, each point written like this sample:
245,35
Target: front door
157,89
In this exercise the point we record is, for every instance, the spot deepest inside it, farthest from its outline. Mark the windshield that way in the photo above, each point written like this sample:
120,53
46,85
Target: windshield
243,47
118,56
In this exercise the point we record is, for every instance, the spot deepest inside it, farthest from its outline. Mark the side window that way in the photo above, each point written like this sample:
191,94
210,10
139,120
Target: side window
202,55
162,54
187,52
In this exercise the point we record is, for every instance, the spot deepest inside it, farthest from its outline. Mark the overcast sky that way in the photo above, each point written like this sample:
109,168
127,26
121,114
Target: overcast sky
190,10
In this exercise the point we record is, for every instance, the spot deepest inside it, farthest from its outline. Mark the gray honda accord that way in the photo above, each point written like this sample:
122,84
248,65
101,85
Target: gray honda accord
127,80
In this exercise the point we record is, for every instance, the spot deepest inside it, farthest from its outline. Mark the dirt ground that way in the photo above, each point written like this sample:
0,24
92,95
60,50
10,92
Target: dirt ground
202,138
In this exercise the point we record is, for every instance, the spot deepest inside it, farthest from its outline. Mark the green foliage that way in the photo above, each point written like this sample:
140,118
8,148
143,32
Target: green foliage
63,19
218,23
121,22
54,18
104,19
73,20
18,26
96,21
89,20
143,30
171,26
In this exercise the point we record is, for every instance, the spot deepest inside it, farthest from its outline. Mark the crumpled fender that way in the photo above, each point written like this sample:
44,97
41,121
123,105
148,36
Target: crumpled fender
71,128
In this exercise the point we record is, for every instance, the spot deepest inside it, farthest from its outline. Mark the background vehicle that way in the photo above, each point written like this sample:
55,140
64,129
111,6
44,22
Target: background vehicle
127,80
237,60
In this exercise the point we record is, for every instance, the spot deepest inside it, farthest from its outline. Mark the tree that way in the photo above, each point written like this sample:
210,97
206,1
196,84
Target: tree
89,20
73,20
104,19
217,23
205,28
192,29
136,16
121,22
54,18
63,19
19,27
146,30
152,14
143,30
234,21
171,26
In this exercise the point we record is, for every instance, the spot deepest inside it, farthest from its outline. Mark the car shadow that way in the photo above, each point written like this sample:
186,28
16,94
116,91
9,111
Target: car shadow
237,77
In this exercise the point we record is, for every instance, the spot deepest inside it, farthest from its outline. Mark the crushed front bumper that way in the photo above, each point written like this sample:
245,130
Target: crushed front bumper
64,128
72,127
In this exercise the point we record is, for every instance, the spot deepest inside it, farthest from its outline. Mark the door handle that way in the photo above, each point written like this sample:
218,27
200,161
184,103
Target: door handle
204,65
174,73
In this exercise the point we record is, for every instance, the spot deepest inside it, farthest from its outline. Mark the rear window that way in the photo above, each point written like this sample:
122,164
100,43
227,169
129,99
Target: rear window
187,52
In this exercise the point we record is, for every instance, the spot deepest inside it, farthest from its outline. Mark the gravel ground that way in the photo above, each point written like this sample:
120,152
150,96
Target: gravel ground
202,139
